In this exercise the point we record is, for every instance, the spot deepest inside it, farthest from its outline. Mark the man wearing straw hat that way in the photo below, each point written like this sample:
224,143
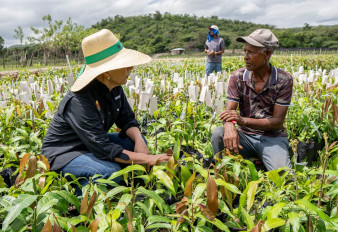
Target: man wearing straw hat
263,94
214,47
77,140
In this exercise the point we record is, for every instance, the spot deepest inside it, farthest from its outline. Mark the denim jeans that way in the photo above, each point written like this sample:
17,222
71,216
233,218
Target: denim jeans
88,165
211,66
273,151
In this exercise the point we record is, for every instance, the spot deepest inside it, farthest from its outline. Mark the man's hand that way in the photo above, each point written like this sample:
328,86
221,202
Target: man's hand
231,115
230,138
141,147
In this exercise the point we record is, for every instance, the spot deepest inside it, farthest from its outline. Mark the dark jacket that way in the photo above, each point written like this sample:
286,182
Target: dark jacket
82,121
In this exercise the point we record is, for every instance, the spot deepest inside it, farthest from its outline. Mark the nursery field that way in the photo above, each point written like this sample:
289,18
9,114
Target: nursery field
177,107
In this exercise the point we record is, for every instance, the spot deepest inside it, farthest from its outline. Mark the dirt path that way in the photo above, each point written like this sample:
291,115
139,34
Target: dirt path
12,72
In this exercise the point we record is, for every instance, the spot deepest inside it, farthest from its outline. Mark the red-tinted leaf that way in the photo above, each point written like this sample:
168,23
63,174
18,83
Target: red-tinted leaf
94,224
130,219
182,205
206,212
212,195
56,228
91,204
335,112
24,161
171,165
73,227
84,204
258,227
47,227
42,181
327,104
188,185
45,161
32,167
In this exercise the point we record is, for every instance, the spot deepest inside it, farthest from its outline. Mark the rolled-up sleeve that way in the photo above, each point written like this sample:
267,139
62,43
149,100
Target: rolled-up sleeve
126,118
83,118
285,94
233,93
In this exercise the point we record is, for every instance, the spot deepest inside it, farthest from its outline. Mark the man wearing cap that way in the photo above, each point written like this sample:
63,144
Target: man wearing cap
214,47
263,94
77,140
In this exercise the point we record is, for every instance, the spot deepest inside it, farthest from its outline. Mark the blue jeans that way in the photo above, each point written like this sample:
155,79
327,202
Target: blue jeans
88,165
211,66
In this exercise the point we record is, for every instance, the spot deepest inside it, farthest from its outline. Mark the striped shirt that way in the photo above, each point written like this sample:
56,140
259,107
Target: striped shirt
277,91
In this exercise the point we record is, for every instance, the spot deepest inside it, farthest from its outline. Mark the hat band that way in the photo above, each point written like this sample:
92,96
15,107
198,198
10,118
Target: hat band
104,54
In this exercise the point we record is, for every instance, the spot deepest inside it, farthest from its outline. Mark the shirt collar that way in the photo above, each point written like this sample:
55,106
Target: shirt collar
273,76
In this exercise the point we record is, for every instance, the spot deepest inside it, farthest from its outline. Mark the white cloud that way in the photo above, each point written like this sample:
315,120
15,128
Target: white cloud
290,13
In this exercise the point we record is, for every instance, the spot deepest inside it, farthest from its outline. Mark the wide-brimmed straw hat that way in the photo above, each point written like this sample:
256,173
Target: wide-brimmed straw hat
104,52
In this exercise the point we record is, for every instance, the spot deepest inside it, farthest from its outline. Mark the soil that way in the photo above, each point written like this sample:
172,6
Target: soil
8,177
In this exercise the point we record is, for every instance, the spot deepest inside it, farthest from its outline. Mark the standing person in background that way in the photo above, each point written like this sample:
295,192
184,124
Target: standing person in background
214,47
263,94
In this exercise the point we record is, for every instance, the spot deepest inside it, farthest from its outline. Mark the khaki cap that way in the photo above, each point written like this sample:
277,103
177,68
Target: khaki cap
260,38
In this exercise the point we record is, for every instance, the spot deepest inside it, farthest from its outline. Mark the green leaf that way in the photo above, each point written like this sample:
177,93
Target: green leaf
18,225
294,221
177,149
252,188
237,168
185,173
252,169
199,190
275,178
155,218
70,198
229,186
144,208
115,191
135,167
156,198
7,201
273,223
2,183
309,206
23,201
159,225
220,225
76,220
275,210
247,219
45,203
115,214
164,179
50,105
333,191
9,114
125,199
201,171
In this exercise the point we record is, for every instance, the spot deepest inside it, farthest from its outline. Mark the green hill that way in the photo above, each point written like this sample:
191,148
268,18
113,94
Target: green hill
154,33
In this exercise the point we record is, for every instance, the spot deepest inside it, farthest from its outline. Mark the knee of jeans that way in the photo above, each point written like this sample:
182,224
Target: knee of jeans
218,133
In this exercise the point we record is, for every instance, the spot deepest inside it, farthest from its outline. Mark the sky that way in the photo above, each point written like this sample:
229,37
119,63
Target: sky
280,13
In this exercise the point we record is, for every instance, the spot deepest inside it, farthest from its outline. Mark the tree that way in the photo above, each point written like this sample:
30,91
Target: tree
2,50
45,36
19,34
